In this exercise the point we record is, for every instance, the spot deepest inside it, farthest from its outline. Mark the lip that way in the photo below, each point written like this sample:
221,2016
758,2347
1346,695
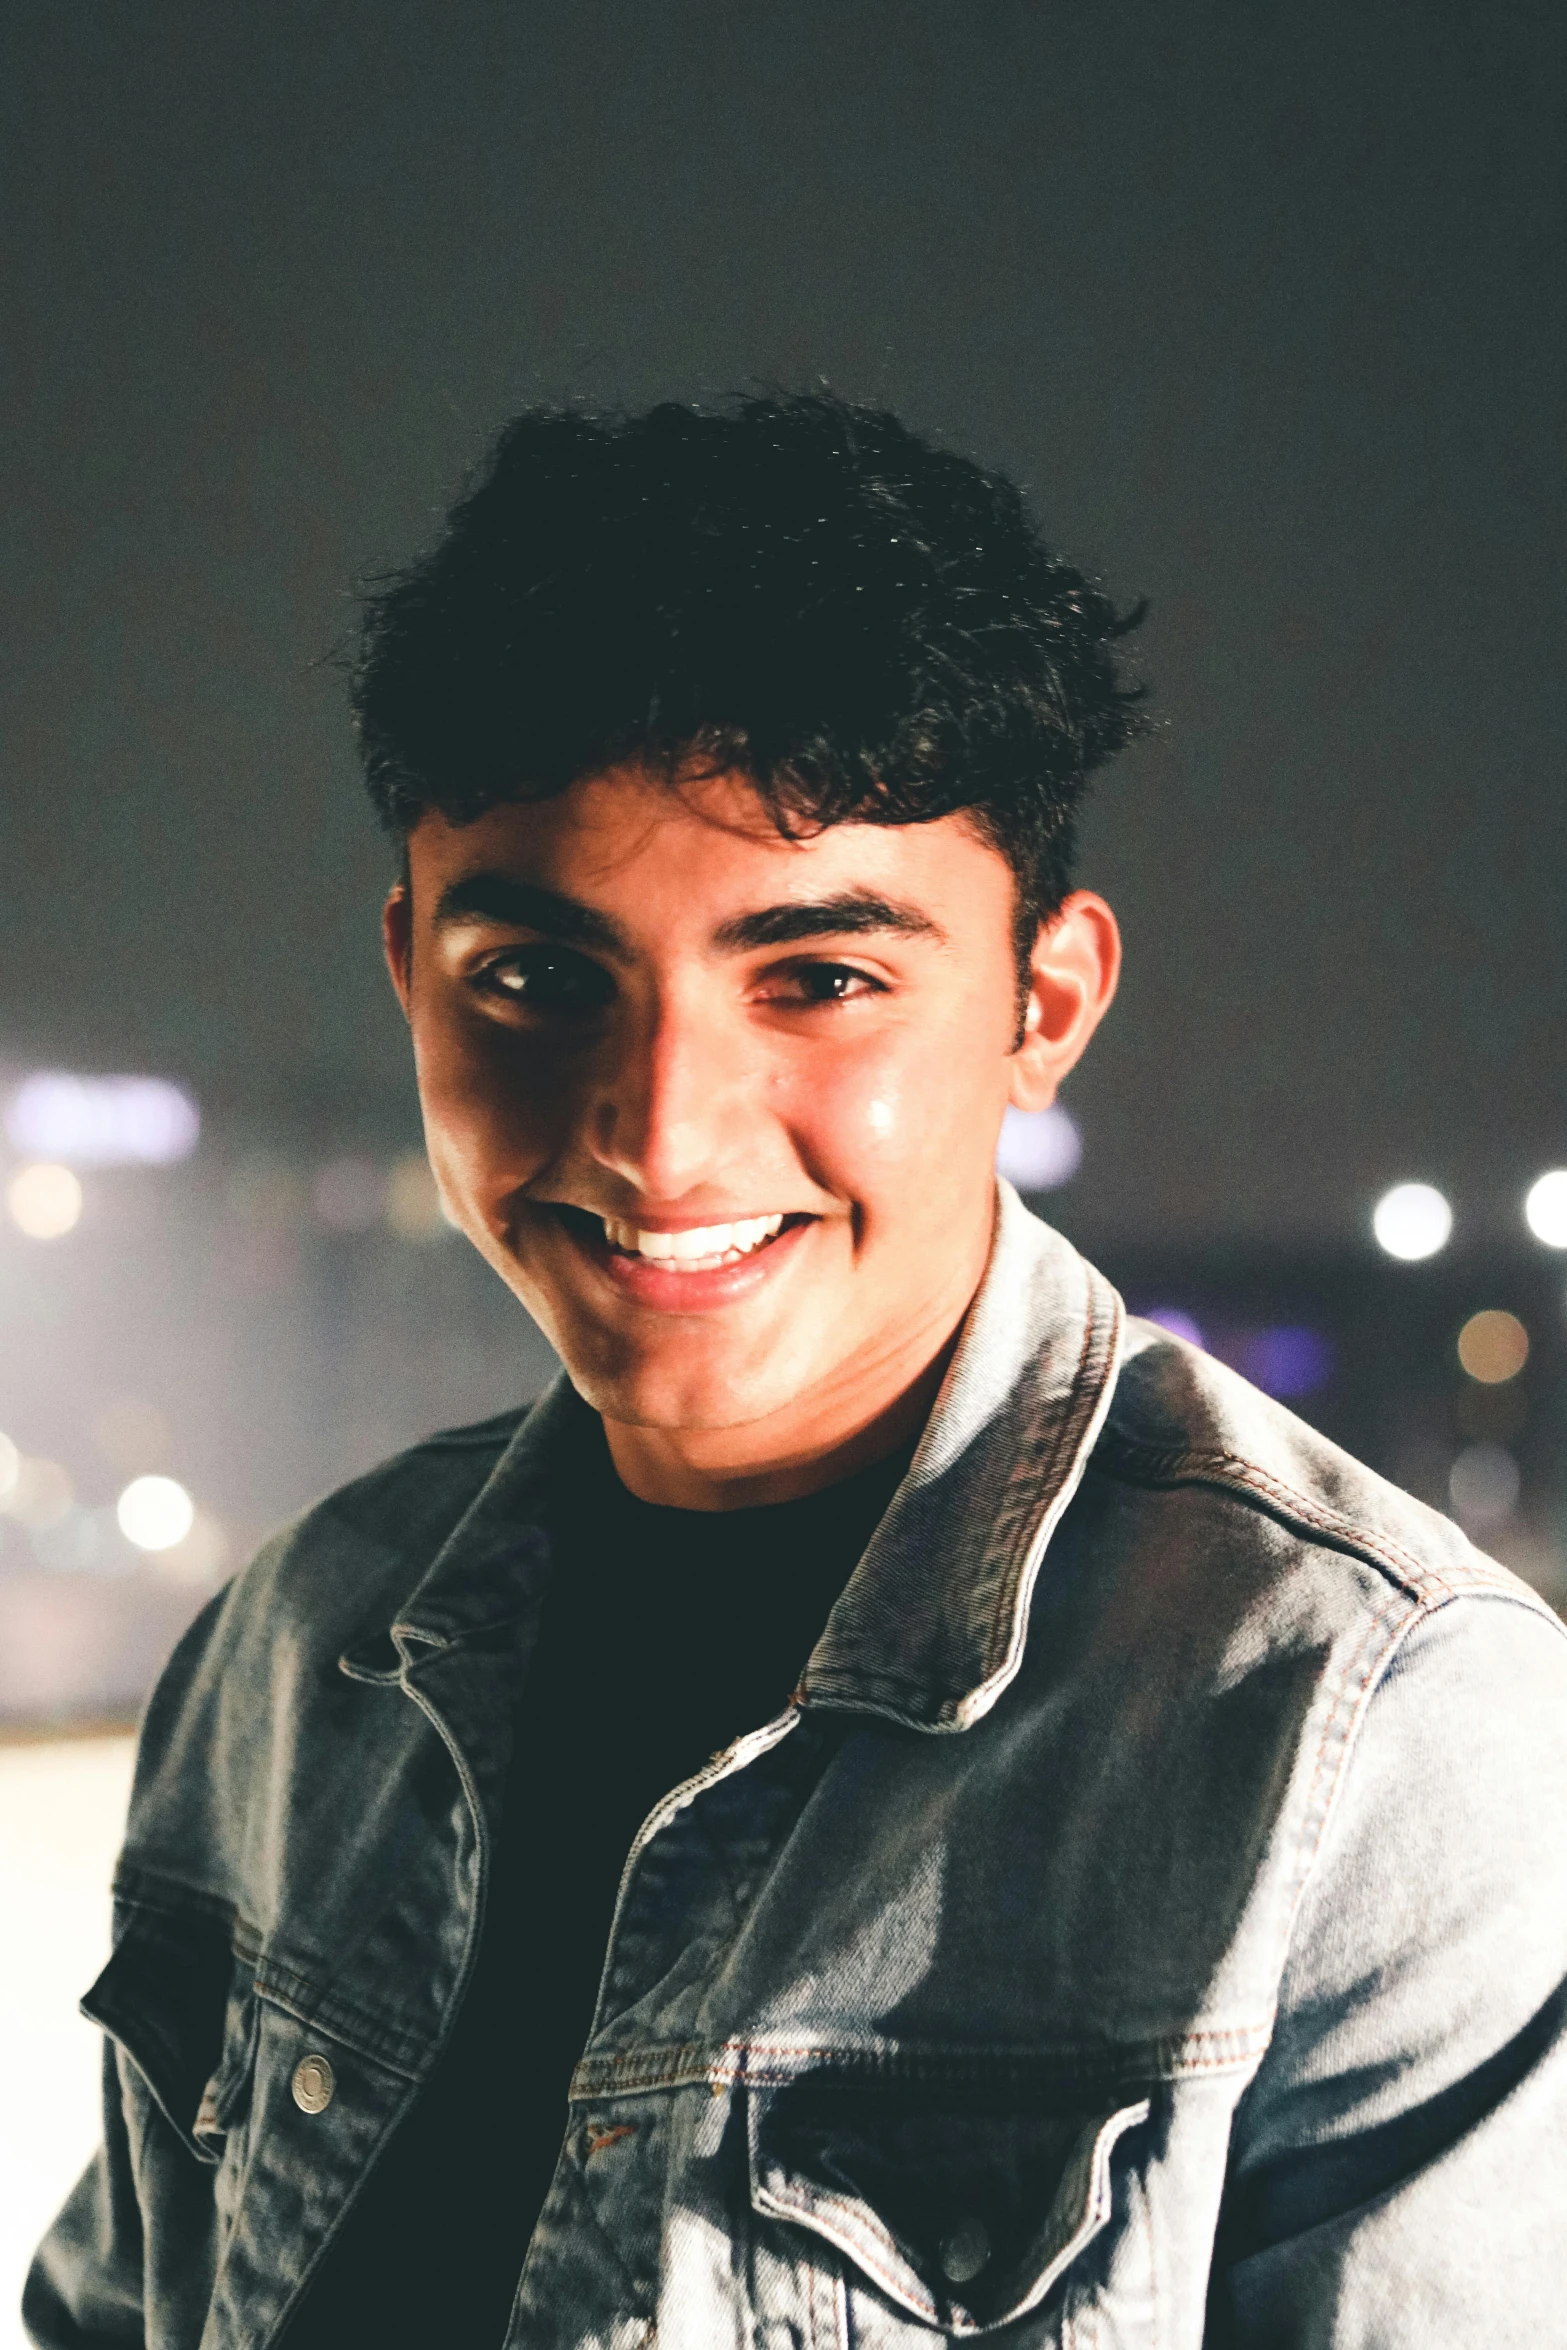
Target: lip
649,1283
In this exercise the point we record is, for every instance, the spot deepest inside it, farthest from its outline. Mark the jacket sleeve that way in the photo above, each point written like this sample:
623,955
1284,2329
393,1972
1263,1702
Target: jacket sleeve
85,2284
1399,2165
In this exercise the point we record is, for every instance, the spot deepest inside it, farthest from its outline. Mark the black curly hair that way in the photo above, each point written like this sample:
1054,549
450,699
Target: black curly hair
790,587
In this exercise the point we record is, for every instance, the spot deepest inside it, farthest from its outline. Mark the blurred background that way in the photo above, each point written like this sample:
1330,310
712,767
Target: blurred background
1263,305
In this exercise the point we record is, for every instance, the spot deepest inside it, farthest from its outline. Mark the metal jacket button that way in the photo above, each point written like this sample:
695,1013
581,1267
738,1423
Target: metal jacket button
314,2084
965,2251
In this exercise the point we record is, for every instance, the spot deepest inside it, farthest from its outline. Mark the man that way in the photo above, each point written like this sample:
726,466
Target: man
894,1804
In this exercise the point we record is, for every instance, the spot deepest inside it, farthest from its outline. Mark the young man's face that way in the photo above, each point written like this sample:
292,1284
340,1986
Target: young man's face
721,1108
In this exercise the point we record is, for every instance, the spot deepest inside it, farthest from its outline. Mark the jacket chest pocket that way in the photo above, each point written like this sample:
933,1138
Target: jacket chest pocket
944,2217
182,2006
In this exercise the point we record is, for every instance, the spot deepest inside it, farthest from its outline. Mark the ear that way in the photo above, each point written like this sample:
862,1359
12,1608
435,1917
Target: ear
397,938
1074,967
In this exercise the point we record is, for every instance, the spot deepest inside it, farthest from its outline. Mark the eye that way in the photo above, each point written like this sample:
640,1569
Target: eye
821,983
547,979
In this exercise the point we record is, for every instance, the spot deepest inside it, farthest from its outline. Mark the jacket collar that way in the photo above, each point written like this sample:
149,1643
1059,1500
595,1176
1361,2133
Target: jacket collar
493,1567
930,1627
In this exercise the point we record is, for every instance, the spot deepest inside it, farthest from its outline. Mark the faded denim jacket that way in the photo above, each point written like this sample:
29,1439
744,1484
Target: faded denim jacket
1146,1925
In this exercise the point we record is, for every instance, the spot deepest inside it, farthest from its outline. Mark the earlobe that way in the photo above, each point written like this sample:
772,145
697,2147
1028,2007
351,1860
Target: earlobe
397,940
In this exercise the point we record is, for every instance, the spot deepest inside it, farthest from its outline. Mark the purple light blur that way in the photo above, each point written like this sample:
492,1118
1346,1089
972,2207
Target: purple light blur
1286,1360
1179,1324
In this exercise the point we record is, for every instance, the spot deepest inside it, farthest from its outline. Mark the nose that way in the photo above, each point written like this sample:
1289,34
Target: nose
665,1112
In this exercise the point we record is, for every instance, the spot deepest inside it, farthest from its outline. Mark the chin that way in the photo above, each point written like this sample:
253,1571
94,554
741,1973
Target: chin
663,1395
651,1403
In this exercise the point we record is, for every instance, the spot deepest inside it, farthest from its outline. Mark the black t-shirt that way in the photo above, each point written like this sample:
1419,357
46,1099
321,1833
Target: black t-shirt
665,1634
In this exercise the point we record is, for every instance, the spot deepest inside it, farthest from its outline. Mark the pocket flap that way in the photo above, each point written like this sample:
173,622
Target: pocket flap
965,2213
176,1998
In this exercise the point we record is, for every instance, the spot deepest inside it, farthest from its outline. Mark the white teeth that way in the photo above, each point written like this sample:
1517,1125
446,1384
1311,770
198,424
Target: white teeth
697,1251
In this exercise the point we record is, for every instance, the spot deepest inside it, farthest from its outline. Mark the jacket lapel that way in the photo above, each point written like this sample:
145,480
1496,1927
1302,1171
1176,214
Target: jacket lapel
930,1628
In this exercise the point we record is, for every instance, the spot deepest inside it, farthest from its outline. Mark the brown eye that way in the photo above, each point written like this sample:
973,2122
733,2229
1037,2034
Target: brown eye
832,983
549,979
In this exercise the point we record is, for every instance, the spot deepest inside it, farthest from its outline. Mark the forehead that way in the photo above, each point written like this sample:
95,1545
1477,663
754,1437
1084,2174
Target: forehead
698,853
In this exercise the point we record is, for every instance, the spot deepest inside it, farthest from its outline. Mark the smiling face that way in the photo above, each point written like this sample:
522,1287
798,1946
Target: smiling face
721,1108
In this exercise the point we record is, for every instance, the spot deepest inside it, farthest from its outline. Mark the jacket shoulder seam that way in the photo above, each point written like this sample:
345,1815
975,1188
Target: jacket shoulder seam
1134,1463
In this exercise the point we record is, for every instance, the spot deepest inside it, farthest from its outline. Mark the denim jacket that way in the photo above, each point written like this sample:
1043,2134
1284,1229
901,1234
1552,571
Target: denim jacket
1146,1925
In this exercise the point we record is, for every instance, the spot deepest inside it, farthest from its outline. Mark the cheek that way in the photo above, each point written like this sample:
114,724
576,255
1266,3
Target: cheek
489,1117
891,1127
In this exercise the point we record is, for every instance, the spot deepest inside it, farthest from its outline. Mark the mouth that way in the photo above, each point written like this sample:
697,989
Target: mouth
701,1250
701,1264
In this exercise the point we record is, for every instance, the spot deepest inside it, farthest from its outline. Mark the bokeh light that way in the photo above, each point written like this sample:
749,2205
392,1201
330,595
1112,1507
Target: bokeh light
1483,1486
10,1469
1545,1208
1412,1221
1039,1150
102,1121
39,1493
413,1204
1177,1321
1493,1346
1287,1360
155,1512
45,1201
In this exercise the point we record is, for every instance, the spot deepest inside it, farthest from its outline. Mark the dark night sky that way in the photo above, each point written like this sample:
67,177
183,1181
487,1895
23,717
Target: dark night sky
1265,304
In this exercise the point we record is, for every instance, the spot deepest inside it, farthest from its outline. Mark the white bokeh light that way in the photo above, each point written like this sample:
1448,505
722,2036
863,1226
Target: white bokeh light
37,1493
1483,1486
102,1121
1039,1150
1412,1221
155,1512
1545,1209
45,1201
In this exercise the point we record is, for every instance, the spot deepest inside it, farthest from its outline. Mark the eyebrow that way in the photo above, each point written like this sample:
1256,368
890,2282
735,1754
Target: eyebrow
853,913
525,905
